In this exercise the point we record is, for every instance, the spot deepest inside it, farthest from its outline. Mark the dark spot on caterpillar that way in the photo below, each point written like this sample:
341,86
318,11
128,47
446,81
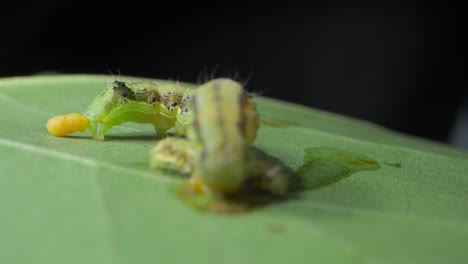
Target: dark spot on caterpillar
143,89
196,124
186,110
243,101
174,104
124,94
117,83
154,99
185,101
203,156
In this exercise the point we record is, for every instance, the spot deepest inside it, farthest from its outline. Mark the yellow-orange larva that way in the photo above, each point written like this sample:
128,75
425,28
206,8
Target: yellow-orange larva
62,125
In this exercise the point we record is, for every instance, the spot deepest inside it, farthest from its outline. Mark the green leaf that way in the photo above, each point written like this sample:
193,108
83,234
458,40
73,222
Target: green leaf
371,195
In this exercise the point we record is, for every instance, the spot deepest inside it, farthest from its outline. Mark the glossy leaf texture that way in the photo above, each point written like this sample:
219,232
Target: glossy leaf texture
371,195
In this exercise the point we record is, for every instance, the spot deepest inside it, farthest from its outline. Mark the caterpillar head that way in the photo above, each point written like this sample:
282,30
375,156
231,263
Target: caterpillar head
114,95
121,91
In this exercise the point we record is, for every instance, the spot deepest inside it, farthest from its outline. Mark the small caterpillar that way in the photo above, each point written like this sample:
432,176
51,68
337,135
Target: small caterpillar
164,106
217,153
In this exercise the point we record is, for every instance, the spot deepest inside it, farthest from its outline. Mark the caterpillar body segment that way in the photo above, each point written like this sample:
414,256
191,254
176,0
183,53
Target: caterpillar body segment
223,127
267,173
173,154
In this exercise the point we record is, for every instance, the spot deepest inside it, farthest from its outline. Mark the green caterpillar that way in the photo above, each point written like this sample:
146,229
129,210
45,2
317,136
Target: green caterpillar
217,153
164,106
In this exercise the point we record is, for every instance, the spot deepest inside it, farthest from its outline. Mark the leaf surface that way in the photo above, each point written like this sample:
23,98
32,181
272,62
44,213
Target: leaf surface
75,200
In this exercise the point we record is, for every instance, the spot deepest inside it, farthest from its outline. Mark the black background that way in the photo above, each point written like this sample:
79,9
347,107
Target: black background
400,65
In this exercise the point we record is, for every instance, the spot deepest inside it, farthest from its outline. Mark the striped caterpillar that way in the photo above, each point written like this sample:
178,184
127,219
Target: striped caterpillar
164,106
217,153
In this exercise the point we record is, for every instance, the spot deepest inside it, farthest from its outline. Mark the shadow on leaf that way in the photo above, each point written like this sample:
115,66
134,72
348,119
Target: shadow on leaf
324,166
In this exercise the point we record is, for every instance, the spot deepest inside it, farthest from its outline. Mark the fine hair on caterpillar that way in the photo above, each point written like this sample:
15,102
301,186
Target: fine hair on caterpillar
207,75
113,76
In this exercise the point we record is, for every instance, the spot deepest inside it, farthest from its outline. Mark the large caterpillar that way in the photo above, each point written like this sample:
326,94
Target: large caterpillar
165,106
217,153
